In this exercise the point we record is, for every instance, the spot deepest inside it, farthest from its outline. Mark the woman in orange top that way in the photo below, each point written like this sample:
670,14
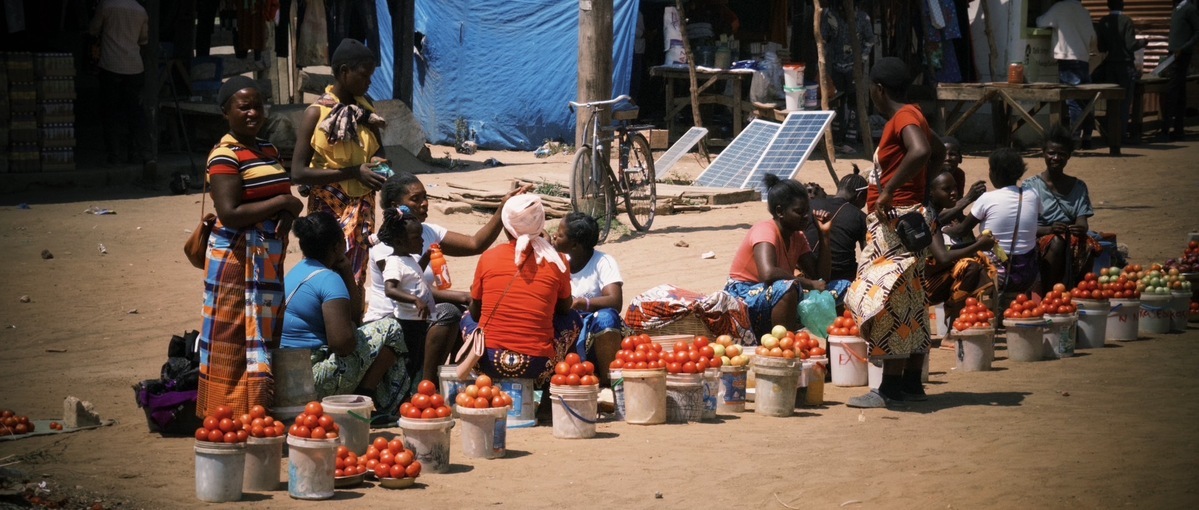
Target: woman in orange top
887,299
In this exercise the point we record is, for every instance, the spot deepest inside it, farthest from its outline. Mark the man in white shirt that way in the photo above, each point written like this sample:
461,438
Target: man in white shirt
1074,41
122,27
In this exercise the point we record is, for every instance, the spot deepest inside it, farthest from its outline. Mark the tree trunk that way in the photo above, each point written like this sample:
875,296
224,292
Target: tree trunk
595,59
861,85
826,83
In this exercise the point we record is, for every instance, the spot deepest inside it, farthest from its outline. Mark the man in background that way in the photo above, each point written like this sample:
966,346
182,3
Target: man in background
1074,42
1118,38
1184,33
122,27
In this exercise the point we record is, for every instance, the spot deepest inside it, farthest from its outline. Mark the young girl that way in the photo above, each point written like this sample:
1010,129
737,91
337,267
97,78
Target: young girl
403,282
957,268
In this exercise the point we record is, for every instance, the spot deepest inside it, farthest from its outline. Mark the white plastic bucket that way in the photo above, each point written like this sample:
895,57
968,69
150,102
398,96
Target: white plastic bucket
292,370
1061,335
617,378
264,457
1123,321
793,87
1156,316
644,397
480,428
732,389
777,381
684,398
429,441
353,414
711,393
847,357
1025,339
874,373
1092,323
219,471
975,349
523,412
449,384
1180,305
311,463
936,321
575,410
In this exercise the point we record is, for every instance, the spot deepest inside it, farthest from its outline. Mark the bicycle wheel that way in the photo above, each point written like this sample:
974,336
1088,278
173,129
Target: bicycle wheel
595,199
641,196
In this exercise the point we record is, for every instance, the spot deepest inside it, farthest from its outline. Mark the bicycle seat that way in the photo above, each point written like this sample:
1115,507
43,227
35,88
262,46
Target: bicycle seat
626,111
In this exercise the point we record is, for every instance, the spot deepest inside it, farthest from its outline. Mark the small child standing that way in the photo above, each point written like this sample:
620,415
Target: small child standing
405,285
952,164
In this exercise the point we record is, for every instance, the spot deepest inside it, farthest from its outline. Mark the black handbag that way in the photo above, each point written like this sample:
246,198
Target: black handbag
913,232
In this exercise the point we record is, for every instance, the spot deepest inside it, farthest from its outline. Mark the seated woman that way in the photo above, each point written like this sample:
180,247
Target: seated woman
323,314
1067,252
956,270
1009,213
763,272
405,189
521,295
849,229
595,287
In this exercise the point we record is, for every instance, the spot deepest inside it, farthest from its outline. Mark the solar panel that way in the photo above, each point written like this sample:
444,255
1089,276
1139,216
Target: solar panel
790,147
679,149
729,169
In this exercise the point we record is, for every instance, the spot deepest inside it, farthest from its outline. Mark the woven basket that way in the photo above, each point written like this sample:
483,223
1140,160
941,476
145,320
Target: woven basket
688,325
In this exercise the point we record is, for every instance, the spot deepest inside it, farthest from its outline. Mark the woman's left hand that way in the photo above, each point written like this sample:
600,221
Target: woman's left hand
882,205
1077,230
824,222
515,191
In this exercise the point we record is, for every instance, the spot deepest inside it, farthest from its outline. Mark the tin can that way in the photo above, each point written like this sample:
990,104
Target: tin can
1015,73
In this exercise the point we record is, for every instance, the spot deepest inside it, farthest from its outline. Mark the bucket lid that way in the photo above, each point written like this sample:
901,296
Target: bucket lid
562,389
211,447
471,411
767,361
635,373
1154,297
265,440
426,424
301,442
839,339
974,332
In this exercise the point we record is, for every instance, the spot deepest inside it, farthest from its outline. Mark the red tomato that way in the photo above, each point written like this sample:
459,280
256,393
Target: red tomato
311,420
211,423
428,414
497,401
436,400
640,365
563,368
674,367
223,412
226,425
572,380
420,401
716,363
381,471
482,403
572,358
314,408
404,458
317,433
325,421
201,433
707,351
229,437
616,364
413,413
380,444
488,391
627,343
680,346
558,380
396,471
689,367
443,412
483,381
463,400
216,436
426,387
413,469
579,370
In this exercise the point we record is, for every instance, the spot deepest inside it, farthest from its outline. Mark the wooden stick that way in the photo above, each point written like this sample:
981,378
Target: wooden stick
990,39
826,82
696,120
860,84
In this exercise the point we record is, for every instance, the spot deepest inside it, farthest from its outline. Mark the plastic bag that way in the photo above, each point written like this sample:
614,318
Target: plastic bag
817,312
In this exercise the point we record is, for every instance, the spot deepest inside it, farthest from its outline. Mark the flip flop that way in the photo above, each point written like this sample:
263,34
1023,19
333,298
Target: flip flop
872,400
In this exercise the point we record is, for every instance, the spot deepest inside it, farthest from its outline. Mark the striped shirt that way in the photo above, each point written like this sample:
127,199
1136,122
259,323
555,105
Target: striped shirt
261,174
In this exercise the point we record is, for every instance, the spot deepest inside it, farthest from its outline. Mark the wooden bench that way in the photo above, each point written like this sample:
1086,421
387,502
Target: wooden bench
1142,87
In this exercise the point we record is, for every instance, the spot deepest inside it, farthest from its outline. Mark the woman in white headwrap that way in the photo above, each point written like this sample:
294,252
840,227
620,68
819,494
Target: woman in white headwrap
521,297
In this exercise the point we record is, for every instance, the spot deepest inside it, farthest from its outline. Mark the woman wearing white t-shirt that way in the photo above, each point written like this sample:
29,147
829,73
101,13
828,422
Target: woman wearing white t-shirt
405,189
1010,212
596,286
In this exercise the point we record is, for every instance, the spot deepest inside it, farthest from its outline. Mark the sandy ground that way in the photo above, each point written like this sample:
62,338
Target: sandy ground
1112,427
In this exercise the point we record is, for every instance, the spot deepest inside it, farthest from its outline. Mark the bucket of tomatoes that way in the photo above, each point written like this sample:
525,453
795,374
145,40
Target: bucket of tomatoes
220,457
264,449
312,448
574,391
426,421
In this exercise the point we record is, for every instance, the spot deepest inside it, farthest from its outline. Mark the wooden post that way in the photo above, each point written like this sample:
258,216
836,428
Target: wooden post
992,51
403,33
826,83
595,59
696,119
151,55
861,85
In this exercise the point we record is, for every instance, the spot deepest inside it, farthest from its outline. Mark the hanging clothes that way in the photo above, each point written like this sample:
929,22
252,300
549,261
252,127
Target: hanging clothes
251,24
940,22
312,37
352,19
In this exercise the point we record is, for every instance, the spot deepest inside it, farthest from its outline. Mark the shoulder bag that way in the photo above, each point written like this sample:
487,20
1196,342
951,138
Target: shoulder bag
196,246
474,345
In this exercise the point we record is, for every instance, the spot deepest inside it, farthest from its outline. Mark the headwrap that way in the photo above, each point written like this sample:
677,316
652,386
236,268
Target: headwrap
524,218
231,87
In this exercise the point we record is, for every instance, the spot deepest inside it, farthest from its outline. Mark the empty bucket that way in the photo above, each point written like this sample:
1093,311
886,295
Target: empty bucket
711,393
1156,316
1180,305
523,412
731,398
479,431
264,457
847,354
219,471
644,396
975,349
777,380
353,414
1025,339
429,441
684,398
292,370
311,463
793,87
1092,323
1060,336
1123,321
575,410
450,385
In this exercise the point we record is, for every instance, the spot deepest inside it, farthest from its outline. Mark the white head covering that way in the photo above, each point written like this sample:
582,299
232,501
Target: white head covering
524,218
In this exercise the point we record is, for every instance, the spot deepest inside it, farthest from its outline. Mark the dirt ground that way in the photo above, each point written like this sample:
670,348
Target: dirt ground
1113,427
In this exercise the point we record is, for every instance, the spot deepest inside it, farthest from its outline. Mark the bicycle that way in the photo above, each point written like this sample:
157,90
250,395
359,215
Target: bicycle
594,187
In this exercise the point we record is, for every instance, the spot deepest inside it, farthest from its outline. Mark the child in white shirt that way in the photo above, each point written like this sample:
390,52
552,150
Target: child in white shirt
404,284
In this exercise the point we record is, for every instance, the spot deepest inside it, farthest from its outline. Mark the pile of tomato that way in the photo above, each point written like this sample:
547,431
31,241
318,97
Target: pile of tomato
220,427
13,425
426,404
348,463
482,395
975,315
790,345
1110,284
313,423
844,326
384,459
573,371
692,357
638,353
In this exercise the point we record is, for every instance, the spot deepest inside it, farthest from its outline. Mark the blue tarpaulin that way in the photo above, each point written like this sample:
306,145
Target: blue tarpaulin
507,68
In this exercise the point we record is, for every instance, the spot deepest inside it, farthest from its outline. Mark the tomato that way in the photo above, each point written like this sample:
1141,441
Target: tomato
372,463
242,435
563,368
674,367
317,432
396,471
507,398
640,365
223,412
716,363
971,301
314,408
215,436
381,470
379,443
482,403
627,343
573,358
436,400
414,413
302,431
616,364
497,401
311,420
201,433
463,400
325,421
420,401
589,367
226,425
680,346
488,391
211,422
572,380
579,370
472,391
558,380
483,381
426,387
444,412
413,469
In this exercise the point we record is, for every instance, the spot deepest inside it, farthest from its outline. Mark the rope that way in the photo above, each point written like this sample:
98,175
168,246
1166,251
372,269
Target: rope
572,411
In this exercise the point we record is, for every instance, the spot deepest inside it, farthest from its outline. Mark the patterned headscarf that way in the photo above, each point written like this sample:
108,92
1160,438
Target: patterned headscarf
524,218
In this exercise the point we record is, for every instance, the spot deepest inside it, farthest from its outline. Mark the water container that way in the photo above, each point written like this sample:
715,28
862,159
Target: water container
975,349
352,413
777,381
1123,321
523,412
1025,339
264,456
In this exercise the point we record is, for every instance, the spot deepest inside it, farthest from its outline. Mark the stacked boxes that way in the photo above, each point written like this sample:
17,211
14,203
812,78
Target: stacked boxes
37,116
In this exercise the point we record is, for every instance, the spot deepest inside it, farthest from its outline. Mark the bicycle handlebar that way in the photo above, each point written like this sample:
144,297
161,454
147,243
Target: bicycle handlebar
594,104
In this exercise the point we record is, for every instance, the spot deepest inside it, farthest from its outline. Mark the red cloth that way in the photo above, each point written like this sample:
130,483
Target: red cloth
891,152
745,269
524,320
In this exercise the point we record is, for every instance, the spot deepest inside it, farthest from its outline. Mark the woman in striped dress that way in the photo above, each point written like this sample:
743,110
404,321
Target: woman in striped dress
243,282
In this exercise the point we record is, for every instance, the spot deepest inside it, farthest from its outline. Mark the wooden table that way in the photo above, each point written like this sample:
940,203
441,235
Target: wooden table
1008,99
706,78
1150,85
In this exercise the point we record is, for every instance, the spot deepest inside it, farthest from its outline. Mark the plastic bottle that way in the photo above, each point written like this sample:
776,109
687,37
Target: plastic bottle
441,271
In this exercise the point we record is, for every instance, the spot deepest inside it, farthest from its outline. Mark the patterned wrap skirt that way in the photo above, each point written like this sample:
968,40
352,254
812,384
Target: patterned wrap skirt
341,375
969,277
887,300
356,215
509,364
